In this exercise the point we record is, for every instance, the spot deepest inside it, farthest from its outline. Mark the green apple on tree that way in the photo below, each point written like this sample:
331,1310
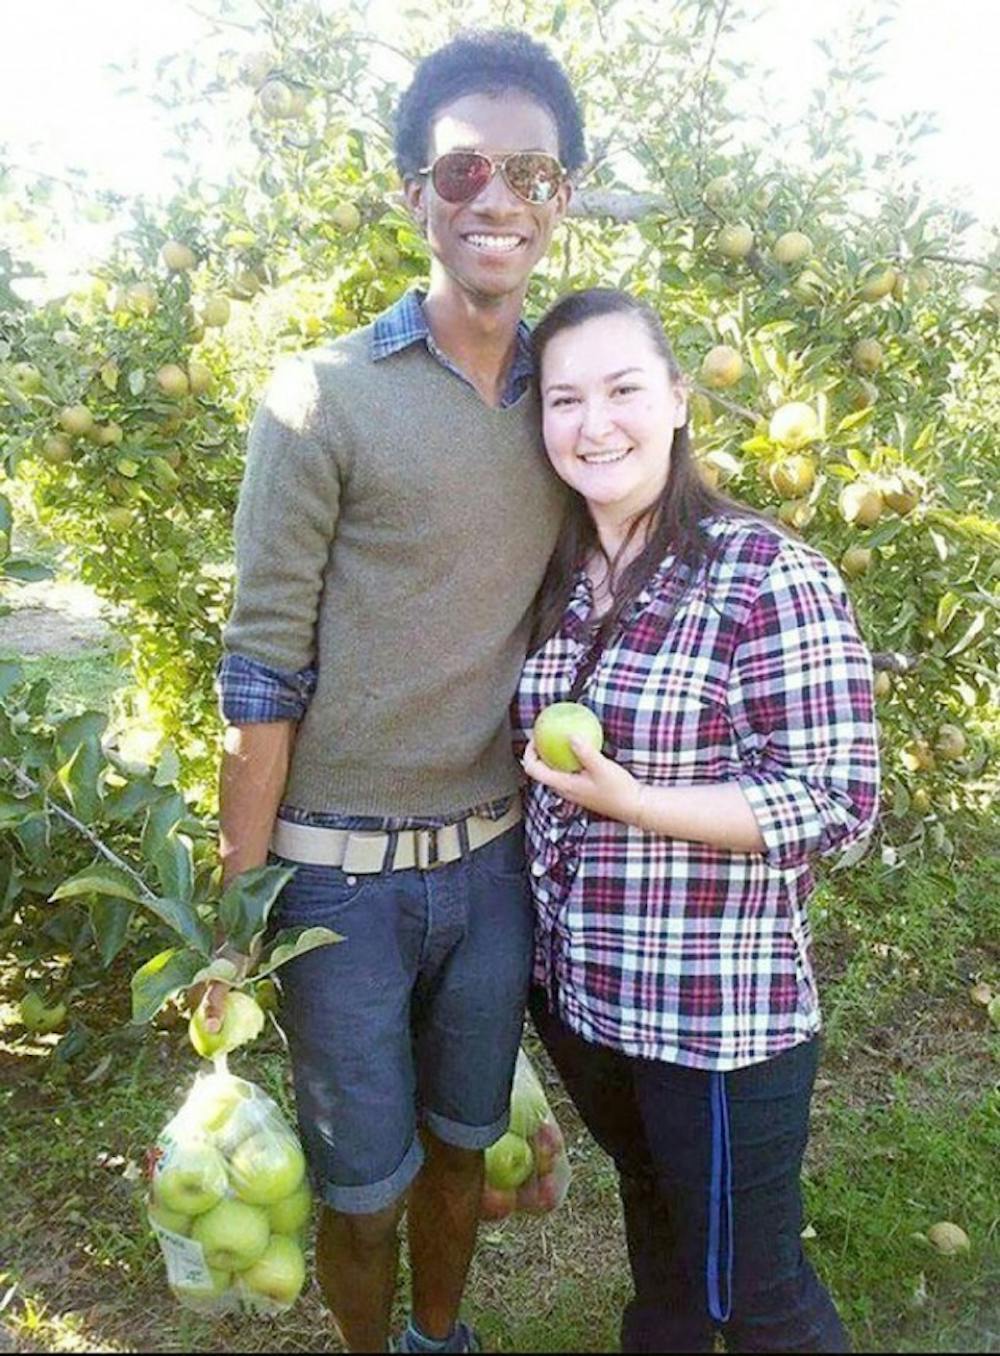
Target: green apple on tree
792,248
266,1167
722,366
277,1277
734,241
793,477
794,425
190,1178
557,725
38,1017
233,1234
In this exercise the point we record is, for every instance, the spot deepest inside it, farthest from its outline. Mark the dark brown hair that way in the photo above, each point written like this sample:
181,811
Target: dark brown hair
673,524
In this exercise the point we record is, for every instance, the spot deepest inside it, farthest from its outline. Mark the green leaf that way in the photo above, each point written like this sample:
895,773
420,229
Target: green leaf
292,942
948,605
244,908
14,810
6,514
856,419
168,769
11,673
78,778
35,837
219,968
77,730
161,819
969,637
125,801
182,917
175,866
101,878
160,978
26,571
109,919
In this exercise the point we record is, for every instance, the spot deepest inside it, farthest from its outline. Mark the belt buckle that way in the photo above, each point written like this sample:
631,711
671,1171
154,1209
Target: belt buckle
428,856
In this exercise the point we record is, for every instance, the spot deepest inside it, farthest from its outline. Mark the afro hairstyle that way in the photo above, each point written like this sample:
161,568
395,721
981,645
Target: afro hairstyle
486,61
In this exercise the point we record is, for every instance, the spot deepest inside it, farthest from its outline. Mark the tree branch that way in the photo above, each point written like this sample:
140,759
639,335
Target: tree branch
741,411
962,263
30,784
619,206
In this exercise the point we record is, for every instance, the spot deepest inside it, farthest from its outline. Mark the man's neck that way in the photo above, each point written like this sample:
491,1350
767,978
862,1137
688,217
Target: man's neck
479,335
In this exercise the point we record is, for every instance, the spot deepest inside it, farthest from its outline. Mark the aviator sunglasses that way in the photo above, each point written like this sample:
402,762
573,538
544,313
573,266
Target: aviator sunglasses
460,176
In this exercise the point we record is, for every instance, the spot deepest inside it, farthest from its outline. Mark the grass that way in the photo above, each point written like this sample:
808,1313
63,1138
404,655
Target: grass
906,1132
90,680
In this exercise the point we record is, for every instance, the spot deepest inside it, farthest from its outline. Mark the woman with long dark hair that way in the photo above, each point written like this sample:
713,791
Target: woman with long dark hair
674,986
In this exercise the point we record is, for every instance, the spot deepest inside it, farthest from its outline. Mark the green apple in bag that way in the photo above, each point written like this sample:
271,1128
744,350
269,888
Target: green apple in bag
509,1162
288,1216
190,1177
204,1296
233,1235
278,1277
171,1220
266,1167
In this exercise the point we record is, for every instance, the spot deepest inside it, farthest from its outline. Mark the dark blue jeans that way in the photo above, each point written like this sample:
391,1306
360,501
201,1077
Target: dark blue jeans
709,1169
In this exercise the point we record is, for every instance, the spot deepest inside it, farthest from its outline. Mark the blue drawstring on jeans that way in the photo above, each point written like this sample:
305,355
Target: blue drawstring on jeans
719,1263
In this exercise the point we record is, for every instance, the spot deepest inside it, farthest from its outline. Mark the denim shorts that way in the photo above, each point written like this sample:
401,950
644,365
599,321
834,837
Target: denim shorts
415,1017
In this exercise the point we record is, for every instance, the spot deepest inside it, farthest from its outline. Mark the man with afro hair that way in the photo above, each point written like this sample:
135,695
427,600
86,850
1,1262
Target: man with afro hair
395,521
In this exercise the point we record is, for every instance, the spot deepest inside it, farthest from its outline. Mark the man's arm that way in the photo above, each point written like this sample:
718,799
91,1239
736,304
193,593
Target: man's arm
254,770
255,762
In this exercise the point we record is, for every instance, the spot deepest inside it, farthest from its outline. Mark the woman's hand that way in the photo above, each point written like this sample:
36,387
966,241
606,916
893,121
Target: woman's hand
601,785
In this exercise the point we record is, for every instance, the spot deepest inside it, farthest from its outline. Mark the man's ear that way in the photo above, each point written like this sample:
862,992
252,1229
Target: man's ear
415,195
563,198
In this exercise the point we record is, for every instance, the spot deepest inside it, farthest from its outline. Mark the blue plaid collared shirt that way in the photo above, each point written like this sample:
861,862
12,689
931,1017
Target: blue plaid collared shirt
252,693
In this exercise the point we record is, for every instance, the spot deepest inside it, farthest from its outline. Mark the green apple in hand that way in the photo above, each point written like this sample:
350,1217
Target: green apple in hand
509,1162
556,726
290,1215
278,1277
242,1021
266,1167
190,1178
233,1234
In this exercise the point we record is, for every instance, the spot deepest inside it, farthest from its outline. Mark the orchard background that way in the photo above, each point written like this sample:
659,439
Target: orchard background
824,287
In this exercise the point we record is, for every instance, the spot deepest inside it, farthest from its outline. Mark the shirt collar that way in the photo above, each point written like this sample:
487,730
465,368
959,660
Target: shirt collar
405,324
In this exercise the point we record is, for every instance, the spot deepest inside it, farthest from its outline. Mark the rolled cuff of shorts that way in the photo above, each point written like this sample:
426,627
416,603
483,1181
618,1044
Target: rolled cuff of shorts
466,1136
368,1200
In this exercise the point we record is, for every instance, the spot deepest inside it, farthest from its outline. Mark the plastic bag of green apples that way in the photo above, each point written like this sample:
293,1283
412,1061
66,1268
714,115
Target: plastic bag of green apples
229,1201
527,1170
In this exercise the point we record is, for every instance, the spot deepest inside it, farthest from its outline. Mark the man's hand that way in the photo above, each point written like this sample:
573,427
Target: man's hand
213,996
601,785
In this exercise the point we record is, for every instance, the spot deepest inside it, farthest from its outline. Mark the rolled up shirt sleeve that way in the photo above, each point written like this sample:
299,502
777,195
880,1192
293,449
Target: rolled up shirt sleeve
802,707
252,693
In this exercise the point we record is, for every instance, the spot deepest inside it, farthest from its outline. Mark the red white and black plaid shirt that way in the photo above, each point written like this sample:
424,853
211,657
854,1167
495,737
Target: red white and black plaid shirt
668,949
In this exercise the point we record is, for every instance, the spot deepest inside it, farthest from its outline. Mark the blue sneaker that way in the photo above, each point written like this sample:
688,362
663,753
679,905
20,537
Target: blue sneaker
462,1339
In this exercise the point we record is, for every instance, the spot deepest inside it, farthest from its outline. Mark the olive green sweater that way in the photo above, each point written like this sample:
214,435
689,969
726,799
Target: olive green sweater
392,530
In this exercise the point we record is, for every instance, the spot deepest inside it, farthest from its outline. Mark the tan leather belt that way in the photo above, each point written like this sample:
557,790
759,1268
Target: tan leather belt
361,854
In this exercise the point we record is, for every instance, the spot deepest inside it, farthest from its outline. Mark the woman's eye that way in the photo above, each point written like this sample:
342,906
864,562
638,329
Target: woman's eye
624,390
563,400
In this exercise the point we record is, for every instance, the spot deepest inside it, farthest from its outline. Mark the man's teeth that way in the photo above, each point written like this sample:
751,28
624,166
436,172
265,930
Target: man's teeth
501,243
602,458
